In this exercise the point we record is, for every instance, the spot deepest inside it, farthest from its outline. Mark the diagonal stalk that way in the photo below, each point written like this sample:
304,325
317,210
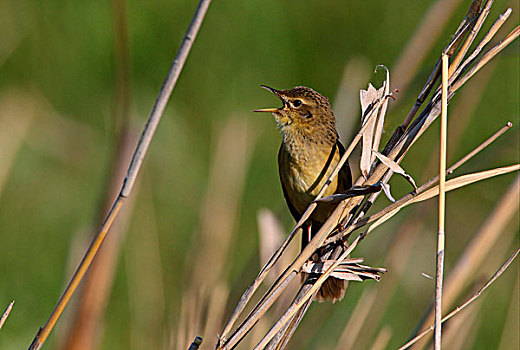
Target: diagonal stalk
409,197
131,175
467,302
471,37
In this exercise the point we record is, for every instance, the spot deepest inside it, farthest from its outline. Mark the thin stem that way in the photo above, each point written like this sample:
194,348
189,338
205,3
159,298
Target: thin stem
293,309
289,273
442,207
471,37
483,145
449,49
163,97
489,35
44,332
6,314
478,250
133,170
486,58
469,301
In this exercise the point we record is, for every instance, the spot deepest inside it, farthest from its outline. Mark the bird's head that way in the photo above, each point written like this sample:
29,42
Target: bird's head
305,114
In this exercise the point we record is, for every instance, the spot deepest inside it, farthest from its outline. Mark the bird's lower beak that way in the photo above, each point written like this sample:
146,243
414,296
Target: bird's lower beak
267,110
271,110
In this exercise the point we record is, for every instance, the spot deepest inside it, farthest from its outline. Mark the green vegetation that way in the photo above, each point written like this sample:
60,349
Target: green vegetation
57,130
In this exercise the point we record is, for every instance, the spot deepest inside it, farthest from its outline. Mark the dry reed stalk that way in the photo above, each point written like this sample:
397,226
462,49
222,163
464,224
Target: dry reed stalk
282,282
463,109
460,331
479,248
439,270
400,251
482,242
502,130
135,166
275,290
6,313
428,187
282,337
403,139
301,302
486,58
401,247
467,102
467,302
457,59
270,237
86,324
465,180
449,49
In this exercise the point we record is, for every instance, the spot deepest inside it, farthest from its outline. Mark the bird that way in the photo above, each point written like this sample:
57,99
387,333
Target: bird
309,153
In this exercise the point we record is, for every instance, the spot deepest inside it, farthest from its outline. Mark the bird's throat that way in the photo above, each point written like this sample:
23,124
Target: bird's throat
304,145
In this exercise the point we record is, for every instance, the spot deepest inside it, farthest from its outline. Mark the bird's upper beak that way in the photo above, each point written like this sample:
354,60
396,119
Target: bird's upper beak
278,94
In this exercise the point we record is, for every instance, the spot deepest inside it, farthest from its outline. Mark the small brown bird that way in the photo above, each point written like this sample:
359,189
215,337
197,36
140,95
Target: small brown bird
309,153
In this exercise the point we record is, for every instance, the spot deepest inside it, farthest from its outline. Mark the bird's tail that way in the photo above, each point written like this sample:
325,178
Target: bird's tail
333,289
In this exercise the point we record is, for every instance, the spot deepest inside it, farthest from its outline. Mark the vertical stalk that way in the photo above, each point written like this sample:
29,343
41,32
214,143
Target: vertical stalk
442,204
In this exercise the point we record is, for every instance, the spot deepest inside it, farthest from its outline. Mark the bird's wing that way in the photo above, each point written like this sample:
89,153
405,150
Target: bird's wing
292,209
344,176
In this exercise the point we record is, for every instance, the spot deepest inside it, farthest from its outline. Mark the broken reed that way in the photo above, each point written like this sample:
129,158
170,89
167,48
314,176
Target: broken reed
462,68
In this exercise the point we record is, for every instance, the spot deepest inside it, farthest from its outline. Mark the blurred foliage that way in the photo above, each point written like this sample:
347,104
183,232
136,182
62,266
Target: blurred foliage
57,67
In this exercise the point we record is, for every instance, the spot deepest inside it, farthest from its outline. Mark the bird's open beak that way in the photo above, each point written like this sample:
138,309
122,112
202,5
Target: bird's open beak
268,110
271,110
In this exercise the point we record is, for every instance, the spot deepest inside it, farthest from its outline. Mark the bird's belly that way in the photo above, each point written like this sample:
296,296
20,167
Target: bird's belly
306,182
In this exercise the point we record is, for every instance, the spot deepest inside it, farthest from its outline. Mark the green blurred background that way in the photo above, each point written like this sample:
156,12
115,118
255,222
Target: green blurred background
58,92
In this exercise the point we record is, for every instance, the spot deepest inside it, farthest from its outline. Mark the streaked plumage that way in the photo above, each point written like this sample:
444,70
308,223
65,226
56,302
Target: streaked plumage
309,153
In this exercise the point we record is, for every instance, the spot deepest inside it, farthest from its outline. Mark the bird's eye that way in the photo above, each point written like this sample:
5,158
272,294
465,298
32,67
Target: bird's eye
297,103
